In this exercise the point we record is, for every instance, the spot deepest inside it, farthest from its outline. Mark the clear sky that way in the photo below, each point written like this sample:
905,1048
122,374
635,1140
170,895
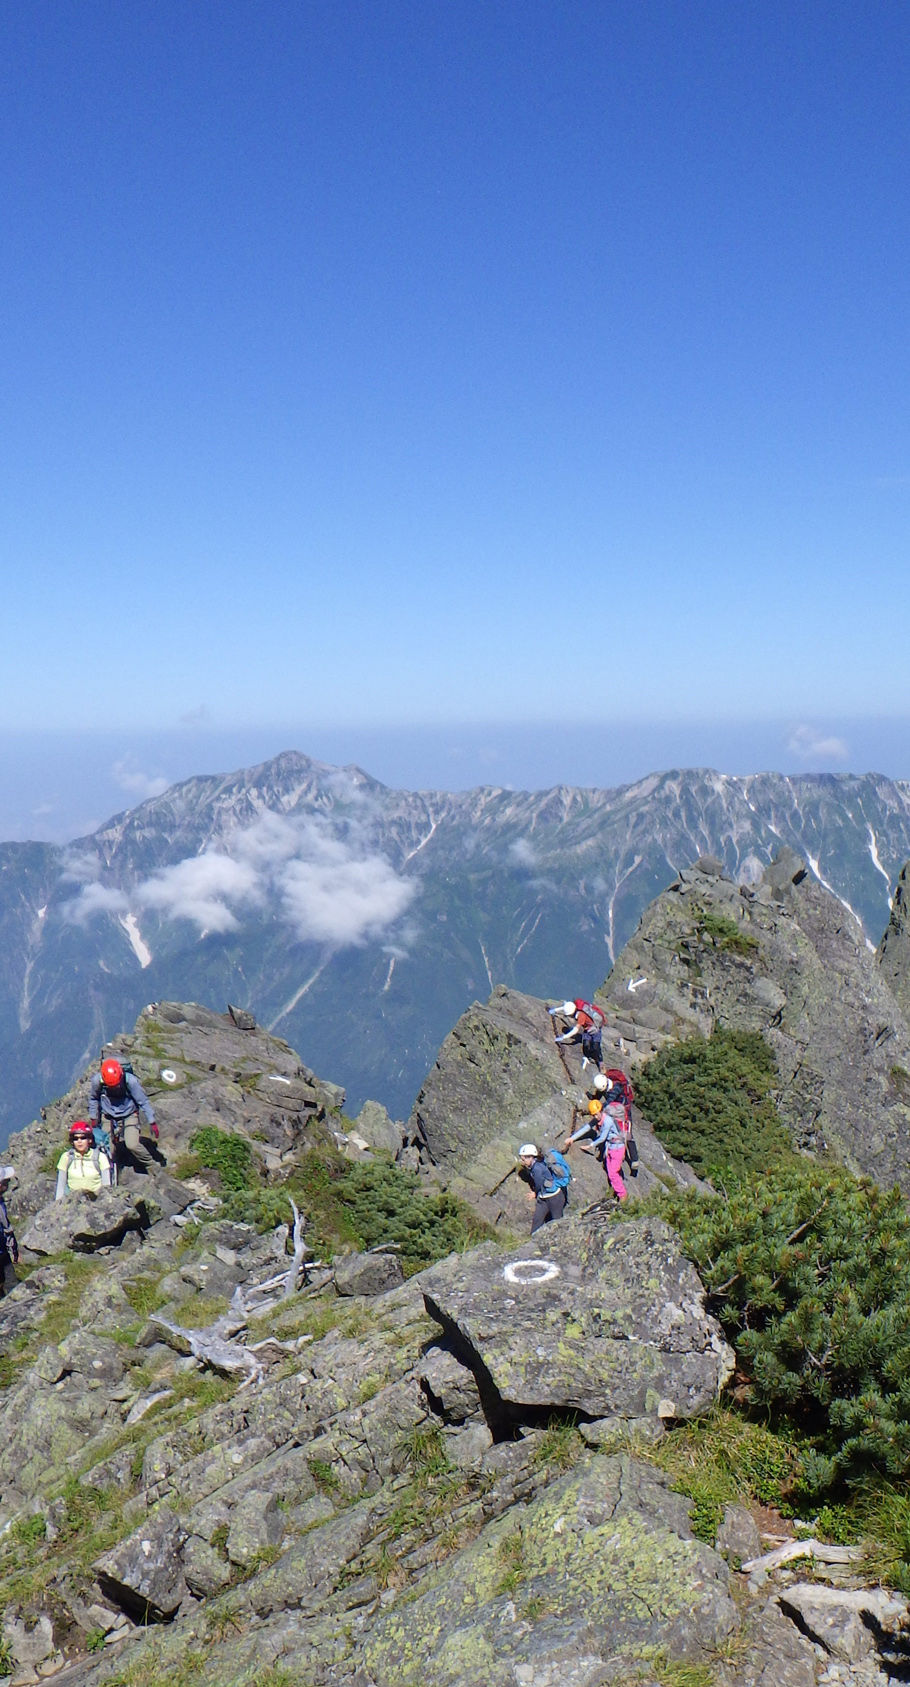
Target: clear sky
372,367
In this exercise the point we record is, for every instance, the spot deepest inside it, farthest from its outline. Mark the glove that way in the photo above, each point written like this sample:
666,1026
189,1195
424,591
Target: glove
565,1038
153,1127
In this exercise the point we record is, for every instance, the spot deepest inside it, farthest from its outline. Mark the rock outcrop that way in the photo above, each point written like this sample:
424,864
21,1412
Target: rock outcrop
210,1475
501,1079
782,956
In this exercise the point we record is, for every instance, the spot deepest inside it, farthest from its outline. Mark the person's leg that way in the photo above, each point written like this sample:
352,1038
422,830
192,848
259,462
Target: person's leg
613,1160
135,1145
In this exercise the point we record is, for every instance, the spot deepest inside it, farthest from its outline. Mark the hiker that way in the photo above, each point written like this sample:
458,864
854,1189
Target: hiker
611,1139
82,1166
547,1192
587,1023
116,1097
9,1247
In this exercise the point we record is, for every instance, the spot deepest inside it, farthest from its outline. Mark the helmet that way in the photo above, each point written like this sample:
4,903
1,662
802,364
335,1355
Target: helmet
568,1007
81,1128
111,1074
595,1106
601,1083
527,1148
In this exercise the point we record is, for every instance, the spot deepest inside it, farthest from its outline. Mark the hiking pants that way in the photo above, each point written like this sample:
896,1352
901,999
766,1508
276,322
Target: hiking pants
134,1144
592,1047
613,1159
547,1208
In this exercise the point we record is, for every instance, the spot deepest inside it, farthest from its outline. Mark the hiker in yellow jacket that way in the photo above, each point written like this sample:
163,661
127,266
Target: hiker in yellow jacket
82,1166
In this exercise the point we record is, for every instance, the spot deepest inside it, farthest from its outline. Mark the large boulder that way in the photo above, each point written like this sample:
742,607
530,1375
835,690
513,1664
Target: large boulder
606,1320
83,1223
144,1573
595,1575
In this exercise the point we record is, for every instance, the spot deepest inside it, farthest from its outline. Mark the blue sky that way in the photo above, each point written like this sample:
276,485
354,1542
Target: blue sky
373,368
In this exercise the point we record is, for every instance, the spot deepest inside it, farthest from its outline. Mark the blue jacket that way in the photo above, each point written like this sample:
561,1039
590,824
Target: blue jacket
120,1103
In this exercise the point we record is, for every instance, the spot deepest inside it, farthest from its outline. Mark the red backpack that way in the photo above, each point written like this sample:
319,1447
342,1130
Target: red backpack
596,1015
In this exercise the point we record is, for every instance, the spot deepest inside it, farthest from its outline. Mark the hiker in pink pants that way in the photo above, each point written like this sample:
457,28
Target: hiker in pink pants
613,1143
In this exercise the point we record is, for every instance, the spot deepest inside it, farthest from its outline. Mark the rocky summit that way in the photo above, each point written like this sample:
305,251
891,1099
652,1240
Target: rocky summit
234,1453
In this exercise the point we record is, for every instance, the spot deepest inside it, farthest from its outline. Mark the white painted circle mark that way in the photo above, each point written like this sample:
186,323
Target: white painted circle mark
167,1076
531,1271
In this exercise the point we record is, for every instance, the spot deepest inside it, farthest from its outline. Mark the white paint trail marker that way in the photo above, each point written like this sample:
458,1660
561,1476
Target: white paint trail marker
531,1271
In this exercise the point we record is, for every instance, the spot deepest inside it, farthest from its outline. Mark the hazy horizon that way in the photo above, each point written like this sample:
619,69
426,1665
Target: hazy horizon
55,786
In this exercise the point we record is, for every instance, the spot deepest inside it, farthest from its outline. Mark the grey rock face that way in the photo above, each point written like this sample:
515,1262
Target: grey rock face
607,1321
376,1128
368,1274
894,949
500,1080
144,1573
84,1223
611,1529
783,957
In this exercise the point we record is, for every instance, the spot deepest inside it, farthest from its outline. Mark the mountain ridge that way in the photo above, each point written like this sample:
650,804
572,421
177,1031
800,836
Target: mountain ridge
361,920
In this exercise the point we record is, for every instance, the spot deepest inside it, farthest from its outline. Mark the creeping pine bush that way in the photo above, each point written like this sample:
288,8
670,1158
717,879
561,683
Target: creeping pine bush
226,1153
709,1100
808,1270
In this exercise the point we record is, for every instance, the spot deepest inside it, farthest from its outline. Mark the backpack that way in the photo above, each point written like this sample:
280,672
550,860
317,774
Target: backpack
558,1167
596,1015
95,1158
619,1081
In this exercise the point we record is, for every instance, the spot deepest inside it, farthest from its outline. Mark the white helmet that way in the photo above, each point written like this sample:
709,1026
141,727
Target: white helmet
601,1083
528,1148
568,1007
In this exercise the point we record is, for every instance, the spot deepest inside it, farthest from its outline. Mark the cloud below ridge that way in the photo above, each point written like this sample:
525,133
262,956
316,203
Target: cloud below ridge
329,889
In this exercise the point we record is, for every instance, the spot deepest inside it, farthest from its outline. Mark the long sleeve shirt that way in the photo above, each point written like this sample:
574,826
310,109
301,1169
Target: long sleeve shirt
119,1104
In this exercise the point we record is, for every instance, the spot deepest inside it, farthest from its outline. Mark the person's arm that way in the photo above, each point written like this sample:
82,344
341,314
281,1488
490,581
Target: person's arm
93,1098
61,1181
142,1101
104,1167
570,1036
581,1131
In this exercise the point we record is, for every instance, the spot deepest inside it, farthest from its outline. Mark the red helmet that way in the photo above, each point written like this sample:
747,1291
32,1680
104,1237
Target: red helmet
81,1128
111,1074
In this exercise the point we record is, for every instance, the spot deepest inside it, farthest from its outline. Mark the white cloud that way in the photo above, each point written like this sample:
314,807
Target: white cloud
80,868
330,889
522,853
95,899
136,783
345,899
199,889
810,744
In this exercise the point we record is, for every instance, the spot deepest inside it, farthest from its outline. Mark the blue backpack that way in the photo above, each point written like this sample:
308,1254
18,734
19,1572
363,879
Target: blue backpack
558,1167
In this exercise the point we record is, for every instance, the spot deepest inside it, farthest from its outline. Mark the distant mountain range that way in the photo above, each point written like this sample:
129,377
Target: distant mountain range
359,921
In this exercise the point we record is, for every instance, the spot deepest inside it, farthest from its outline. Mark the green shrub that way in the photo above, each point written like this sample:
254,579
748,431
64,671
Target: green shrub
808,1270
724,933
226,1153
709,1100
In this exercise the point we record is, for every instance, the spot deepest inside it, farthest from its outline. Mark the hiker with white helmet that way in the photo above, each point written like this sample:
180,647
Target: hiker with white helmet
82,1167
548,1176
586,1023
9,1247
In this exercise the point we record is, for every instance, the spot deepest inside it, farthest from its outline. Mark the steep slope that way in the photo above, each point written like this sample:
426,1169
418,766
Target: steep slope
784,957
353,1490
361,921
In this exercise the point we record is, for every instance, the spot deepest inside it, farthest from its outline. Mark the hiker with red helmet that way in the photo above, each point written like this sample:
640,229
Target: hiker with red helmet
82,1168
116,1099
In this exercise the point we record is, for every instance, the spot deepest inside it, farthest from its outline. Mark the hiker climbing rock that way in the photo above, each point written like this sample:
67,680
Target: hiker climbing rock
9,1247
586,1023
611,1140
548,1175
115,1101
615,1091
82,1167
